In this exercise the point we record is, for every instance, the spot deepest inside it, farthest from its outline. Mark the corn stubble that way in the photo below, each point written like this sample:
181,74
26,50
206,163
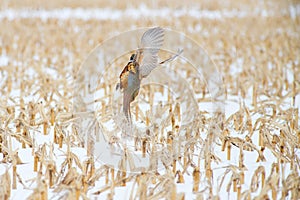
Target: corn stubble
264,124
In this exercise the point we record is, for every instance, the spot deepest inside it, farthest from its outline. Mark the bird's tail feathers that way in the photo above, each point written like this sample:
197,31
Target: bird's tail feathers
172,57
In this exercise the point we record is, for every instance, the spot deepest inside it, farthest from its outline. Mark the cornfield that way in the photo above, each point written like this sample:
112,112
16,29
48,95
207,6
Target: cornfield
248,151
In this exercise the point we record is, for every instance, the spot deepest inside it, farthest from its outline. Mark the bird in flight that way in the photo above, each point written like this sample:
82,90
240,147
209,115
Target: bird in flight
141,63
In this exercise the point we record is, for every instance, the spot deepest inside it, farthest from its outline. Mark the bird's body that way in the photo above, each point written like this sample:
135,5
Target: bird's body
140,65
130,83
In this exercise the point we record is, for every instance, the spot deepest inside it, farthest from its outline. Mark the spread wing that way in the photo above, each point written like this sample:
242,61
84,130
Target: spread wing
151,42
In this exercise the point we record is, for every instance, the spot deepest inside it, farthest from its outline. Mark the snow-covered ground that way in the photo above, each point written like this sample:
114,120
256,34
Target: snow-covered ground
142,11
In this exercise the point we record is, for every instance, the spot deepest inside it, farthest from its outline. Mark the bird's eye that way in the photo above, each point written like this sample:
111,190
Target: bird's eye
132,57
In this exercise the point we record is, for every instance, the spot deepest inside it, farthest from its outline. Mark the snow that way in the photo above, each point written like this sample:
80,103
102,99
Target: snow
142,11
4,59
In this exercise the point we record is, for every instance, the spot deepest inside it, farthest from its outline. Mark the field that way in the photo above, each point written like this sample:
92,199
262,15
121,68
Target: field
219,122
